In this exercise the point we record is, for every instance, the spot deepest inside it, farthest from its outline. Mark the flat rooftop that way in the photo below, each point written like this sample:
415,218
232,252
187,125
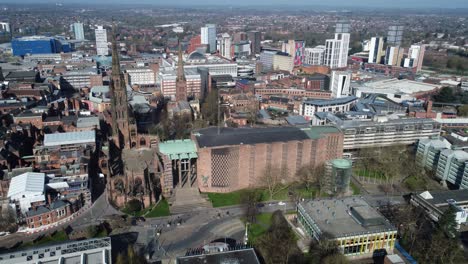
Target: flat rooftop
209,137
243,256
398,86
58,139
442,198
346,217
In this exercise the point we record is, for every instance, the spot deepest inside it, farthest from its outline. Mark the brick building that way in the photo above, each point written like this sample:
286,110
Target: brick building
236,158
45,215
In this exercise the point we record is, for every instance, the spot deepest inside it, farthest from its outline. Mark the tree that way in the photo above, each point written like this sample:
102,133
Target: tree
209,108
8,220
445,95
325,251
130,257
134,206
463,110
278,243
447,222
250,200
310,175
273,180
91,231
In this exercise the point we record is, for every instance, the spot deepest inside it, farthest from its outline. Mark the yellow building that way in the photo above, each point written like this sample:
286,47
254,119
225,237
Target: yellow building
358,229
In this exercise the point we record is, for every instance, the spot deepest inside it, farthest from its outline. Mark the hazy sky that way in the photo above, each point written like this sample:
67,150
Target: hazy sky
364,3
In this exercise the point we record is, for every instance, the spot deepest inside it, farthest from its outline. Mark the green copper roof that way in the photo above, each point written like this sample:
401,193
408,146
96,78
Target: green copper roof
342,163
316,132
179,149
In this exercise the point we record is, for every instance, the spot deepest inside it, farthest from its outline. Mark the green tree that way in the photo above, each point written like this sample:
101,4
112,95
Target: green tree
133,206
209,108
445,95
278,244
447,222
463,110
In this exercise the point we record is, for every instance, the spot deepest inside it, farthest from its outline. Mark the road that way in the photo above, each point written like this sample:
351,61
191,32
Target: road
195,228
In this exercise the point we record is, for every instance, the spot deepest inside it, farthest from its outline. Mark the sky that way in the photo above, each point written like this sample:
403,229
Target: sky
401,4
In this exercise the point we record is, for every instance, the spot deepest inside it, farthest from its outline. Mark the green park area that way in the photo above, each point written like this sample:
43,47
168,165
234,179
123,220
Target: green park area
255,230
133,208
284,194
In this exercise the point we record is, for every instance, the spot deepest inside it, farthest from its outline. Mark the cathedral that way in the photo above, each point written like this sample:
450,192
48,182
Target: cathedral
133,167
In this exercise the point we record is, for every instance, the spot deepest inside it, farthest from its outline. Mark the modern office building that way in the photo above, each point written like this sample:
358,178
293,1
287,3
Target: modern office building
415,57
266,59
226,44
360,131
38,45
295,48
435,203
94,250
231,159
101,41
255,38
314,56
336,51
283,62
78,31
208,36
242,49
167,77
309,108
376,50
357,229
340,84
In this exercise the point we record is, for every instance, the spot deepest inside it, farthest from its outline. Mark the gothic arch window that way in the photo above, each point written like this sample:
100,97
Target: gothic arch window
142,142
133,144
119,186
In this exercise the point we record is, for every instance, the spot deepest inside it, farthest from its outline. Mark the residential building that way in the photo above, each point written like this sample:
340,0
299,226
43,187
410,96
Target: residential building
38,45
415,57
357,229
283,61
255,38
5,27
310,107
208,36
340,84
451,167
428,152
226,44
376,50
231,159
167,79
336,51
436,203
78,31
94,250
394,55
314,56
101,41
295,48
141,76
317,81
395,35
77,80
216,65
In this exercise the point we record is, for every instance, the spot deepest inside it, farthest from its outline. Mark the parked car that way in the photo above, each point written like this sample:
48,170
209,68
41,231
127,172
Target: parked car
281,203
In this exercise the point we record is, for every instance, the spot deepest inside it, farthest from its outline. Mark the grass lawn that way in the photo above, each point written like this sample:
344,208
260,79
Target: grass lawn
355,189
162,209
233,198
58,236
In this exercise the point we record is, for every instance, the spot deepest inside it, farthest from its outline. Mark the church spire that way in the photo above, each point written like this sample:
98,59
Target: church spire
115,54
181,82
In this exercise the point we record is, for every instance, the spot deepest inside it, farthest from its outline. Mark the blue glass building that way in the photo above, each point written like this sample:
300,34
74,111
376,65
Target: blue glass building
38,45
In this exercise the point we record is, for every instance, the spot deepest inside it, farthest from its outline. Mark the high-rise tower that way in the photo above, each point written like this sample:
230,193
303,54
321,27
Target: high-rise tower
181,82
123,126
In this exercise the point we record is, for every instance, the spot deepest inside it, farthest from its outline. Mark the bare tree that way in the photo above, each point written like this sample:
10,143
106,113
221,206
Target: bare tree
250,200
309,175
274,180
